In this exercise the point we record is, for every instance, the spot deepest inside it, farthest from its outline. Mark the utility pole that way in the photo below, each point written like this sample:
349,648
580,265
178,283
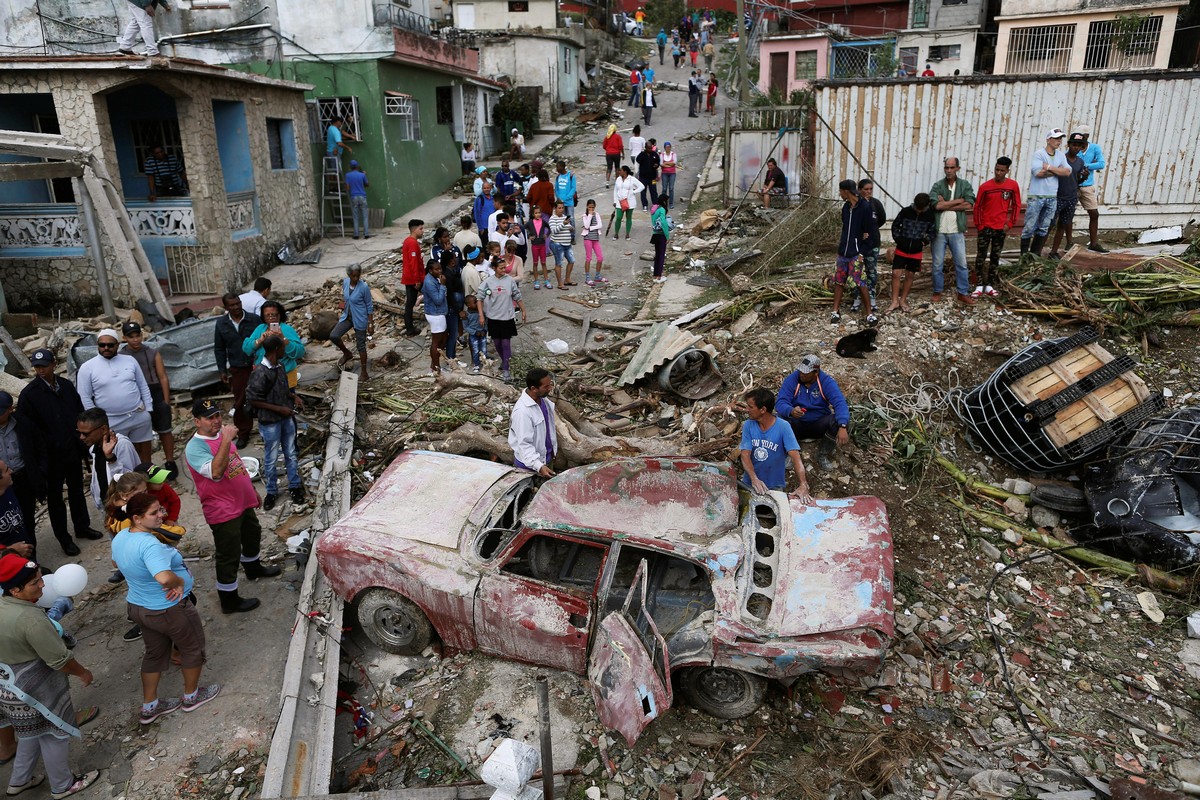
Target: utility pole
743,78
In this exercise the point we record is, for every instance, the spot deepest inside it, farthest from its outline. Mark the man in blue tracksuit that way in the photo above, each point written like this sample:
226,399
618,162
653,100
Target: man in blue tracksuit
811,401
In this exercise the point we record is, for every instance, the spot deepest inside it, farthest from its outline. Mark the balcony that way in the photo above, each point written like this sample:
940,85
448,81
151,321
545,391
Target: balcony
418,41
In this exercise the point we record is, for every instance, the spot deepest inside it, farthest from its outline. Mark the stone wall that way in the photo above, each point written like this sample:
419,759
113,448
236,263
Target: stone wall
60,284
287,205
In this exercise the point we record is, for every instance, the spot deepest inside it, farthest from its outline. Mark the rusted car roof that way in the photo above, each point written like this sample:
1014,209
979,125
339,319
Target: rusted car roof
676,501
424,496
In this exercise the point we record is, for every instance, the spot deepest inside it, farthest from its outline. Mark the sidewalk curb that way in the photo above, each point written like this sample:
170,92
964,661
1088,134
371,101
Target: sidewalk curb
718,144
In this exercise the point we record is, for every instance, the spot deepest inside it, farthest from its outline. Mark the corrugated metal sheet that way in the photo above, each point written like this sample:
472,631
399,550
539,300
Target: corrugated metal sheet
662,342
1146,126
748,153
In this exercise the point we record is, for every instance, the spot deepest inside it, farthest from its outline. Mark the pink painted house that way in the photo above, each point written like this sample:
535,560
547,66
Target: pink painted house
789,61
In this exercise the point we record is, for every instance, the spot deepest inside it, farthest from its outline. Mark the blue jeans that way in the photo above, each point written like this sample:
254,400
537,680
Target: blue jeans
358,210
478,342
668,188
452,324
562,252
958,252
635,95
1039,213
273,434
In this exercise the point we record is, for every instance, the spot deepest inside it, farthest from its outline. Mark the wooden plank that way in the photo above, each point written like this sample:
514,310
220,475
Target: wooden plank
1140,390
583,335
600,323
476,791
39,171
17,353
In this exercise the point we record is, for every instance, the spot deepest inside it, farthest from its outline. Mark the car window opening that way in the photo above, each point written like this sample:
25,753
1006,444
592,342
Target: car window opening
677,591
504,524
764,544
562,562
767,518
759,605
764,576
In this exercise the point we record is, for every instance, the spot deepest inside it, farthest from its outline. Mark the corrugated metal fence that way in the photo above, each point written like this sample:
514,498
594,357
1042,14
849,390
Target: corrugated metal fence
1148,127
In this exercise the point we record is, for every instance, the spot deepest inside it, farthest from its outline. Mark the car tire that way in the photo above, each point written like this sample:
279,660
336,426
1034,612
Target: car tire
393,622
723,693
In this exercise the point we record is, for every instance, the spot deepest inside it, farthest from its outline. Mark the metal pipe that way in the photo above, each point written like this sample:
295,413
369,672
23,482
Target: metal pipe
93,235
543,698
193,34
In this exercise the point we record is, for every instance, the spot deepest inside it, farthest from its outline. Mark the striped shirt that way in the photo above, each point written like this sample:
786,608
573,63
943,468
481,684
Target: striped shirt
560,230
167,172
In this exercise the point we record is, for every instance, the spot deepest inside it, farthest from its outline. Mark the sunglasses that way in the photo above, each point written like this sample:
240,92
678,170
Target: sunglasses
107,345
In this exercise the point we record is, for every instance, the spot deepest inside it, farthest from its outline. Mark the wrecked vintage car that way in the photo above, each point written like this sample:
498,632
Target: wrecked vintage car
634,571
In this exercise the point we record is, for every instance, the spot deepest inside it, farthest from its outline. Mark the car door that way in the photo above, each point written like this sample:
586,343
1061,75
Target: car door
628,670
537,604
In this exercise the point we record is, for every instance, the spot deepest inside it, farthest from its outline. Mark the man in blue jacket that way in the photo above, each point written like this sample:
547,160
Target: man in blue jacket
1093,161
813,404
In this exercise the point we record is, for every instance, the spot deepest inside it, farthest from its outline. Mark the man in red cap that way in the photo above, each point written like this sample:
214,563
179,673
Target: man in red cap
228,500
37,700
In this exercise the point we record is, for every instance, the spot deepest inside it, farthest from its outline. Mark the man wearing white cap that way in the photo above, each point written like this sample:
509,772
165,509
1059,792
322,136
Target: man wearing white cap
1093,162
114,382
1048,165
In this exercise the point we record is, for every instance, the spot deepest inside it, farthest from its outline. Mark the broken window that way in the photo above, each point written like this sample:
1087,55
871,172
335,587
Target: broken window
504,521
677,590
567,563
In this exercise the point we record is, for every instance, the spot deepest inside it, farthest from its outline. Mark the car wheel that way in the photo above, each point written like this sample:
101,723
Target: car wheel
724,693
393,622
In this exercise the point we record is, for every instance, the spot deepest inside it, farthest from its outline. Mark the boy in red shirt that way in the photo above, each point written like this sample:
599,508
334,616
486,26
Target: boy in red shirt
156,484
413,274
996,205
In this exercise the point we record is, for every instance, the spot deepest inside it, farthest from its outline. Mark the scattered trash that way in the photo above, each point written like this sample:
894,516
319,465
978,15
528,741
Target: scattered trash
557,346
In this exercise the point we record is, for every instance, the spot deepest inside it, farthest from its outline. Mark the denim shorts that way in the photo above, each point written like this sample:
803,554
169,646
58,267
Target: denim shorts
562,252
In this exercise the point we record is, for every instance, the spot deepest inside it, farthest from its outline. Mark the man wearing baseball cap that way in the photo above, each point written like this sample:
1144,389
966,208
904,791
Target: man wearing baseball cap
228,500
1042,195
812,402
115,382
50,409
1093,162
357,183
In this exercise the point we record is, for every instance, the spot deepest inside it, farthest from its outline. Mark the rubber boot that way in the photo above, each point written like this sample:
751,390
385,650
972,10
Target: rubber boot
231,603
1036,247
256,569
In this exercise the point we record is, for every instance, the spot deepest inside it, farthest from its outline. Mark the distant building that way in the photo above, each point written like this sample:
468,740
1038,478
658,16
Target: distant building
866,18
239,138
790,61
1053,37
941,34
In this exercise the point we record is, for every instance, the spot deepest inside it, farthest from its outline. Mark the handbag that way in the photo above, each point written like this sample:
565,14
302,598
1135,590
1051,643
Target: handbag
624,203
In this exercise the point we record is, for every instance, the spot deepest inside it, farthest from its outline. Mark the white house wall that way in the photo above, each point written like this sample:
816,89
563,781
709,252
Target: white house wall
902,131
966,40
493,15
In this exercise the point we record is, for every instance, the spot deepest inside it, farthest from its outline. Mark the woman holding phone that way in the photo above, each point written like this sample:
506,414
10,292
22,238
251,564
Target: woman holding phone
275,324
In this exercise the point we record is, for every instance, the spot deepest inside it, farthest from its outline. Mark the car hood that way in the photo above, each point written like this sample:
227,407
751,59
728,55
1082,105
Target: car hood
421,497
831,569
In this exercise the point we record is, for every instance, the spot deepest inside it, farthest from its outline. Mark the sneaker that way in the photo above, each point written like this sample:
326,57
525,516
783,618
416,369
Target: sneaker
872,319
474,369
835,318
164,707
36,780
537,285
507,376
116,577
203,695
1099,248
133,634
80,783
978,292
826,463
299,496
269,502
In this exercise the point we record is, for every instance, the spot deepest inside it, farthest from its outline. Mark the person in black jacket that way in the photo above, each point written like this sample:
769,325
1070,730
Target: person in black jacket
866,190
50,407
648,162
234,365
912,229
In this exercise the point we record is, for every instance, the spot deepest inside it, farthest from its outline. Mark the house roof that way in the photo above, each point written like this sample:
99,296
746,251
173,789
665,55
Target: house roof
176,66
1093,9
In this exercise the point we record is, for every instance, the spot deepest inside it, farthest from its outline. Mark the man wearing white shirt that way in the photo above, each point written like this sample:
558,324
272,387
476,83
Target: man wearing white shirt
252,301
115,382
531,433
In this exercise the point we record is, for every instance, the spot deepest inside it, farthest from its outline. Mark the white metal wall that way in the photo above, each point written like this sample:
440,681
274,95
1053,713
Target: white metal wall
748,153
1147,126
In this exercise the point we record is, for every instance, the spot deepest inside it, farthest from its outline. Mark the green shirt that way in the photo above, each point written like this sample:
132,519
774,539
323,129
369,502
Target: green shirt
26,633
962,191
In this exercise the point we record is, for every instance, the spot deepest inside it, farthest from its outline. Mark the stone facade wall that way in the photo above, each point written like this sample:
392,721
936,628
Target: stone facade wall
286,198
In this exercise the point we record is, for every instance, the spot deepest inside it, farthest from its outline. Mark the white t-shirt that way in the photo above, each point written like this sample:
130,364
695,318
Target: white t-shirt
948,222
636,145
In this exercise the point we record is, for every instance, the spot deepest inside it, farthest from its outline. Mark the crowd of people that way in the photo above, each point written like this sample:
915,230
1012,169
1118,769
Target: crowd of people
1058,183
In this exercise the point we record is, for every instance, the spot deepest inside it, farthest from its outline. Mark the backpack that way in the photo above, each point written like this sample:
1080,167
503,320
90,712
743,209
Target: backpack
658,228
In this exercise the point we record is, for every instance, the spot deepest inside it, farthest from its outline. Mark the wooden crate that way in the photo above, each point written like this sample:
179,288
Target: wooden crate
1102,405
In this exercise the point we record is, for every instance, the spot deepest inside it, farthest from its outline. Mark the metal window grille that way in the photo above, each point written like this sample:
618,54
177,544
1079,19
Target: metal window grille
330,108
1109,47
920,13
409,112
806,65
191,269
1040,49
862,60
151,133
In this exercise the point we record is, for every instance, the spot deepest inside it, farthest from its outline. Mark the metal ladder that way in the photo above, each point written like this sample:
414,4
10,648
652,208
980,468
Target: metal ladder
333,213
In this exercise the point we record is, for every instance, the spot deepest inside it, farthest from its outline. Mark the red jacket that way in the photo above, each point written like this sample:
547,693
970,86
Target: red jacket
997,204
168,498
414,263
614,145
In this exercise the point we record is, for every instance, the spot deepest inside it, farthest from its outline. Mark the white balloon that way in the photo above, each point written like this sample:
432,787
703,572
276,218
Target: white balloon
70,579
50,591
